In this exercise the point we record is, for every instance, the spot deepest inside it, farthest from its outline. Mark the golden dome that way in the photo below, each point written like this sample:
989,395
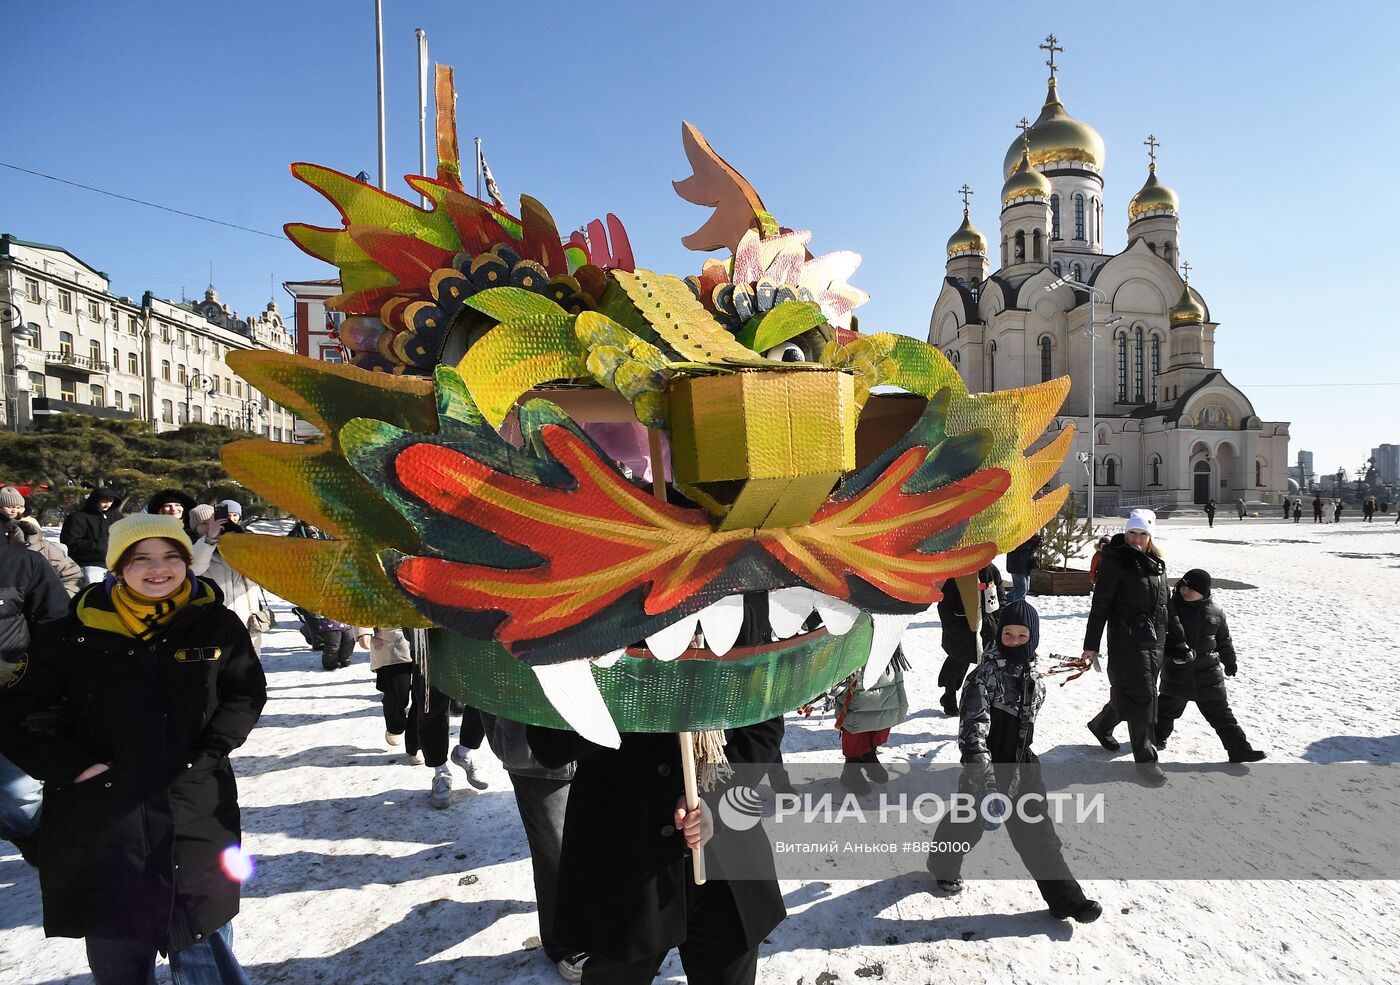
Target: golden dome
1025,182
967,239
1058,138
1153,198
1188,310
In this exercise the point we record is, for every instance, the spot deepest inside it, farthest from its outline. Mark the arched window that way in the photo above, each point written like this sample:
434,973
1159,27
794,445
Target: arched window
1137,363
1003,253
1167,252
1078,216
180,373
1077,272
1035,246
1156,364
991,365
1045,364
1259,472
1152,246
1095,227
1054,217
1020,254
1056,267
167,412
95,353
97,396
1122,366
1110,470
1156,470
65,343
165,369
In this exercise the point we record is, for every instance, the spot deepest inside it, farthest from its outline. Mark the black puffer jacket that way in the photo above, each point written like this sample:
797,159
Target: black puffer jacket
1021,560
959,642
85,531
1208,635
30,593
1130,599
134,853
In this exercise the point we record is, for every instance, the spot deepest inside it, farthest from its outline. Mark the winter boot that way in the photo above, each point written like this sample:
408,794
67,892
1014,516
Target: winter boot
874,768
950,887
1151,774
1247,755
853,777
1106,739
950,702
1086,912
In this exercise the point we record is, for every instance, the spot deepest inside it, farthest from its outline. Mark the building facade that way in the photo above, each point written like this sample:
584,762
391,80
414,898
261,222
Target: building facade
71,346
1386,461
1170,429
316,329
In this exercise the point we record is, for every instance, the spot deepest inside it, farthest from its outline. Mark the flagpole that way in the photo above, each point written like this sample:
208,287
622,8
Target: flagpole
478,167
423,108
379,63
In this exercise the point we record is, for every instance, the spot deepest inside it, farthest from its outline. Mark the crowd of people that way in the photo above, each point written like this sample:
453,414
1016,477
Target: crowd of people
132,669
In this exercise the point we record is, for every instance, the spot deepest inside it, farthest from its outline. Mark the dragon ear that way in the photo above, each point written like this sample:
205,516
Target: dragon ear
718,186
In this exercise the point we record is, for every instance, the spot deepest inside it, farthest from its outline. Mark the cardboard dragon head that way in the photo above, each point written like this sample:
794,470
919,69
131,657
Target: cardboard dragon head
473,477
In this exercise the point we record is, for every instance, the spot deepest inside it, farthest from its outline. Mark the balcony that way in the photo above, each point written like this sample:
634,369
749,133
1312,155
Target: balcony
44,409
73,361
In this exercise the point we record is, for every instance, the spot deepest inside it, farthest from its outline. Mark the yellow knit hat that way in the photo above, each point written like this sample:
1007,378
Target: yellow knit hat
138,526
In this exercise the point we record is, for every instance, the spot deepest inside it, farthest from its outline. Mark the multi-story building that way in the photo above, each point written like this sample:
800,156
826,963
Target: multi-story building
1386,461
70,346
316,328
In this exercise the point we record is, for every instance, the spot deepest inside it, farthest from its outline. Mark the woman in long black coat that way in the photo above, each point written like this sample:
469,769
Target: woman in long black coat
960,643
128,708
1130,599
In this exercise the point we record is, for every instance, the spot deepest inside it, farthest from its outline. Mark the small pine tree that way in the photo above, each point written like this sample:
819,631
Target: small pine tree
1064,537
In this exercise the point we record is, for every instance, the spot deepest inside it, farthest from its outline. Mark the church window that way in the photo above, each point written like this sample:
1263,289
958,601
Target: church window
1110,469
1152,246
1020,246
1035,245
976,289
1156,364
1077,272
1003,253
991,365
1156,471
1078,216
1137,363
1258,473
1054,217
1056,267
1045,364
1167,252
1095,225
1122,366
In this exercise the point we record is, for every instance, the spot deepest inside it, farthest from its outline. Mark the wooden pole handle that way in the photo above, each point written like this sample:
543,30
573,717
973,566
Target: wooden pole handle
692,798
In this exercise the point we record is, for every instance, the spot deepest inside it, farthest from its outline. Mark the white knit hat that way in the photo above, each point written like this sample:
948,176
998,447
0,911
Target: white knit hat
1144,520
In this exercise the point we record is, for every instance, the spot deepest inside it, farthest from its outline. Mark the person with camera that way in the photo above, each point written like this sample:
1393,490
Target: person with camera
241,594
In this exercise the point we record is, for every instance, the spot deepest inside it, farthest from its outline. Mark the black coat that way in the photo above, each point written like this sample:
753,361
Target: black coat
1208,635
959,642
623,872
84,533
134,853
30,593
1130,599
1020,560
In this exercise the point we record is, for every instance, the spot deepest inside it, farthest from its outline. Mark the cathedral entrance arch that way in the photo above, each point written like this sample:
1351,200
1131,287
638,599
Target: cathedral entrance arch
1202,480
1227,463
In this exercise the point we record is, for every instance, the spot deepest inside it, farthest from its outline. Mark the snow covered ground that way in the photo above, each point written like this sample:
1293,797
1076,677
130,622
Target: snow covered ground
359,881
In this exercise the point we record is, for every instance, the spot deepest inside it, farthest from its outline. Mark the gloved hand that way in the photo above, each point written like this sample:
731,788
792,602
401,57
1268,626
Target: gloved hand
1230,670
1183,655
992,812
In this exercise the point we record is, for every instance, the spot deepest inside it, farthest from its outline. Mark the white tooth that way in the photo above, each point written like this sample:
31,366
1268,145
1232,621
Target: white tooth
788,609
572,691
837,616
671,642
608,659
721,622
888,631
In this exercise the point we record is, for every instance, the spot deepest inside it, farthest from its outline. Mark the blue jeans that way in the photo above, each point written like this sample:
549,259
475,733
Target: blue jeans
124,962
1020,587
20,798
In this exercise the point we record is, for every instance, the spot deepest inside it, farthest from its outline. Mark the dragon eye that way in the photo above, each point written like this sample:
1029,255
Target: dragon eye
788,352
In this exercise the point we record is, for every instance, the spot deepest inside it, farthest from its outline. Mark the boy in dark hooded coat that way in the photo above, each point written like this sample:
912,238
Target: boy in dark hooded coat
1203,679
1000,703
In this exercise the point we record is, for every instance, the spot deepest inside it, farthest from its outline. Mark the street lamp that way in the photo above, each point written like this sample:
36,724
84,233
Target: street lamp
20,334
251,407
1088,458
204,382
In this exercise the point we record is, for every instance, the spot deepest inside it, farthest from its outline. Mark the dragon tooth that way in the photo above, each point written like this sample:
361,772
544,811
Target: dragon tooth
838,616
671,642
572,691
788,609
721,622
889,629
608,659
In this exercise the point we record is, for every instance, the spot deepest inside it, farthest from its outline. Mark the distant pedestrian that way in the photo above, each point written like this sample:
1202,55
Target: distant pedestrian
1210,513
960,643
1239,508
1337,513
1019,563
1287,508
1368,508
1297,510
1317,509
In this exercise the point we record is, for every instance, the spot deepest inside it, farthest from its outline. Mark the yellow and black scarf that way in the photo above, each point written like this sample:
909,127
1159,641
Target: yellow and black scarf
121,610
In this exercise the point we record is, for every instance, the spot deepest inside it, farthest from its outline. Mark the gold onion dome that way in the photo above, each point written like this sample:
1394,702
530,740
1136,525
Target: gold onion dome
1025,182
1188,310
1154,198
967,239
1058,138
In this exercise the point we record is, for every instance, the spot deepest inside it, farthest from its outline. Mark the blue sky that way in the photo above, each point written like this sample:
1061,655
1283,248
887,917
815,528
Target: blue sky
858,121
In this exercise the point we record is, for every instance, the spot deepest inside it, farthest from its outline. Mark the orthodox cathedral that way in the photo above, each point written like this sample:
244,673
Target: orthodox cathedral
1168,428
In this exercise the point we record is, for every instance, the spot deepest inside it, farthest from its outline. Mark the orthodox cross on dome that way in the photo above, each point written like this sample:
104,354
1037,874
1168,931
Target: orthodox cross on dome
1152,143
1025,127
1186,271
965,192
1051,47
